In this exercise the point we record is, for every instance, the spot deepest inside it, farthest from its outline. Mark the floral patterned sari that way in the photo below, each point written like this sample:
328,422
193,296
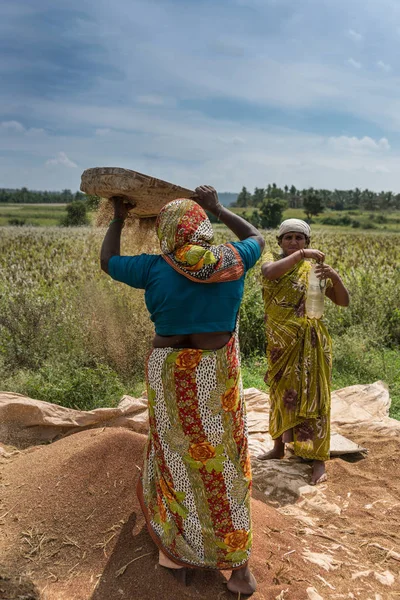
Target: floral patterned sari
299,353
195,486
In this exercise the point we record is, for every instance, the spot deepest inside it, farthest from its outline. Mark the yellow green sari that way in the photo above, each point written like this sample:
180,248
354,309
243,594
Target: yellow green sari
299,353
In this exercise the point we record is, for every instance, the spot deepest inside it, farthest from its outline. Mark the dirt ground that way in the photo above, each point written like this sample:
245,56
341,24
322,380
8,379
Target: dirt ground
71,528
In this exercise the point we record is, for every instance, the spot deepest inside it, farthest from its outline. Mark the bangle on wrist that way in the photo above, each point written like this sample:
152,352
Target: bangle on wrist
301,254
219,209
116,220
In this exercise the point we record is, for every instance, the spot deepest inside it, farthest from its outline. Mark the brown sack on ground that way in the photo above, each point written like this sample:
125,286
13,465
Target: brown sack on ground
68,509
24,421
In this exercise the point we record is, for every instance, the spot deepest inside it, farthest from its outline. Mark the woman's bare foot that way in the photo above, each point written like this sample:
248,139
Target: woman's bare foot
164,561
318,473
242,581
278,451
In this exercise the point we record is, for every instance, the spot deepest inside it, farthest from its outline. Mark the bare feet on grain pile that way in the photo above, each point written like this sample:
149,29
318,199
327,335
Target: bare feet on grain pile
278,451
242,581
318,473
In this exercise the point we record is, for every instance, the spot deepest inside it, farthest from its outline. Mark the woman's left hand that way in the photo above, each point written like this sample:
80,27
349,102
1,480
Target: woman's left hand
324,271
207,197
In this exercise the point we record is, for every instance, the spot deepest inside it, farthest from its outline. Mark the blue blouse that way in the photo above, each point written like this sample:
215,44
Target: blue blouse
177,305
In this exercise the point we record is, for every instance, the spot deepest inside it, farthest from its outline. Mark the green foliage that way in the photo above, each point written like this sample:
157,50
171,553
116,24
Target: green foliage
394,325
15,222
70,384
25,196
273,191
313,203
76,215
333,200
366,334
26,327
71,335
254,368
31,214
252,331
62,319
271,212
345,220
244,198
254,218
92,202
258,196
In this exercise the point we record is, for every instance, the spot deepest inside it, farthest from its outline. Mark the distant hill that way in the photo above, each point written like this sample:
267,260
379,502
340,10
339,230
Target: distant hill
226,198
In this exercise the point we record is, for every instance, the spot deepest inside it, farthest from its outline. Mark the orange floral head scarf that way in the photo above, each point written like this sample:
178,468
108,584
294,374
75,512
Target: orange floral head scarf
186,239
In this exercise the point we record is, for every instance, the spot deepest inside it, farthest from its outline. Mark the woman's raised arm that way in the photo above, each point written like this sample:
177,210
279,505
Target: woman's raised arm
111,245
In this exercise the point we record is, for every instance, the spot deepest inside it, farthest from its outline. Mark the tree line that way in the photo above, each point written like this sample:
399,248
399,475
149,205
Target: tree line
25,196
294,198
335,200
270,202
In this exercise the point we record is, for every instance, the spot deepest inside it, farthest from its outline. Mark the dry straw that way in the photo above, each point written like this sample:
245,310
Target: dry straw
147,194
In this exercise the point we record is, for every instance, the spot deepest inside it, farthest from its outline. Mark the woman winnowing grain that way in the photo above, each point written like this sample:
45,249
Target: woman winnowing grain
195,485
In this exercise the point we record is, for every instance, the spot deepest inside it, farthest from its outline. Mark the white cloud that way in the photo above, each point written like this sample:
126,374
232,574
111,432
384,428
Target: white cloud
103,131
236,140
379,169
61,159
383,66
189,149
35,131
354,63
151,100
358,145
227,48
12,126
354,35
17,127
285,71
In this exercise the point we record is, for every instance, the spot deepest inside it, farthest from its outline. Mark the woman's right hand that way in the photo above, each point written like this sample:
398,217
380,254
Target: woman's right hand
121,207
316,255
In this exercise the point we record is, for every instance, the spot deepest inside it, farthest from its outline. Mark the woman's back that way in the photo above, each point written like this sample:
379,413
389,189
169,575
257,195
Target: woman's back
181,307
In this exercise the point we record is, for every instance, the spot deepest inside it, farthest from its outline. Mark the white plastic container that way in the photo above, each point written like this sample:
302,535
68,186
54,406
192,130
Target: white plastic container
315,296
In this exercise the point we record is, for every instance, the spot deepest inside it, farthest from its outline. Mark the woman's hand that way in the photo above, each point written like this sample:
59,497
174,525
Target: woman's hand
121,207
337,292
207,198
315,254
323,271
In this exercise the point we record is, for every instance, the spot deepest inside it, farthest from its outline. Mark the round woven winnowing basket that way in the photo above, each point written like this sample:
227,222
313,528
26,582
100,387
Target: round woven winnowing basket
147,194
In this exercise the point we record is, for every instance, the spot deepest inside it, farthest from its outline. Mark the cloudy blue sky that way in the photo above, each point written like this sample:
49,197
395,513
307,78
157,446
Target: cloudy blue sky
225,92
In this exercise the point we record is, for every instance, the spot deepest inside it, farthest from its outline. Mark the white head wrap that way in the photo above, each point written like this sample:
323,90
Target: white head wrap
294,225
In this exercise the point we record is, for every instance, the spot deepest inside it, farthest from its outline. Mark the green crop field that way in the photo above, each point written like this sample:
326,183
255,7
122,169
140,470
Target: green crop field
343,220
45,215
49,215
71,335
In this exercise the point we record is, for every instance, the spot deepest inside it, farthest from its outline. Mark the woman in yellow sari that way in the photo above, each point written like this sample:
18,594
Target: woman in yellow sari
299,349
